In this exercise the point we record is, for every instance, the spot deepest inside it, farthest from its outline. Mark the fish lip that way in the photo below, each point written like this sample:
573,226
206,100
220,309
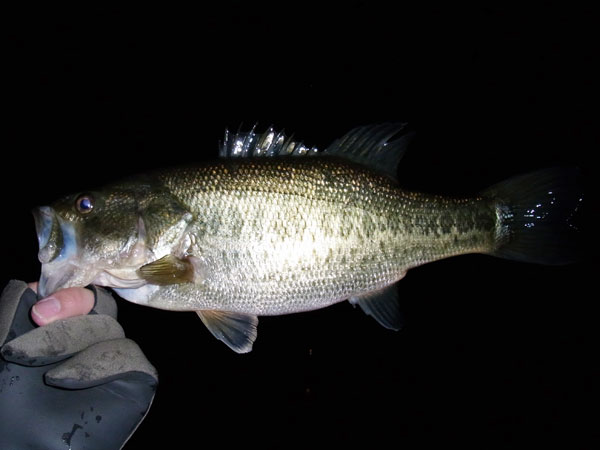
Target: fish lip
50,283
43,217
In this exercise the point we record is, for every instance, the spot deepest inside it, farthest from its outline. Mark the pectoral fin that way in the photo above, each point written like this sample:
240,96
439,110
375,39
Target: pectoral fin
236,330
383,306
167,270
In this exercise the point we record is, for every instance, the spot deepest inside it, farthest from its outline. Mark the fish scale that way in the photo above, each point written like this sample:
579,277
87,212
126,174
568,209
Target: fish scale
285,225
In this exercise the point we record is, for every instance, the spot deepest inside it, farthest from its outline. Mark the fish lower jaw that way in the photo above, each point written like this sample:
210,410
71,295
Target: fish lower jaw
58,275
121,278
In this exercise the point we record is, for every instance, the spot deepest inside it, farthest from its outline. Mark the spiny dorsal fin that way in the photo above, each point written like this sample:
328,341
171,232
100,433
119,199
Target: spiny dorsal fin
370,146
367,145
269,143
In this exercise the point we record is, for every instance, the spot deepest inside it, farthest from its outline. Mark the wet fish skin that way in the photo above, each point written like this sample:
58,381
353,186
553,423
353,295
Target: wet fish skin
274,227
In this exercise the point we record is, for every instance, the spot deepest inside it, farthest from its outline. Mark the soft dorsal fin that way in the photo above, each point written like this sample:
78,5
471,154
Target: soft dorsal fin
370,146
269,143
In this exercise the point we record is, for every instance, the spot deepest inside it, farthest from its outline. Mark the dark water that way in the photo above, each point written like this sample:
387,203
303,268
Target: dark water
495,354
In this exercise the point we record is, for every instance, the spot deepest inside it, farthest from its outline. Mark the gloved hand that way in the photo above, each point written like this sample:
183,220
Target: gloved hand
72,384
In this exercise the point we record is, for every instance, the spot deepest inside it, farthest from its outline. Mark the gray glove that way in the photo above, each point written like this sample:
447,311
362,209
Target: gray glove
76,383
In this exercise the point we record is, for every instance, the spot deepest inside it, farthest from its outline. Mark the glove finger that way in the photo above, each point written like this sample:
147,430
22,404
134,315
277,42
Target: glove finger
104,301
60,339
14,317
102,363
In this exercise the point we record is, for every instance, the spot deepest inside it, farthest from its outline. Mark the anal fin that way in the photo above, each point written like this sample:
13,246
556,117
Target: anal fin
383,305
236,330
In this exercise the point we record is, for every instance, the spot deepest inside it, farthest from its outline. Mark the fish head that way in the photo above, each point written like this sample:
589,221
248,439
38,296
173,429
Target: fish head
103,237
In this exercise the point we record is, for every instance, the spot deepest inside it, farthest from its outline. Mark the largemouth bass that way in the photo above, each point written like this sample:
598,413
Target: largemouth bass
274,227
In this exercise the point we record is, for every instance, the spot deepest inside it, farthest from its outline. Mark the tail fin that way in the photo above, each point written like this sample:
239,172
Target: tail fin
537,216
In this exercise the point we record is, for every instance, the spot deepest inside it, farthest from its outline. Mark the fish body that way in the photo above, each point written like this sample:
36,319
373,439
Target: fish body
274,227
277,236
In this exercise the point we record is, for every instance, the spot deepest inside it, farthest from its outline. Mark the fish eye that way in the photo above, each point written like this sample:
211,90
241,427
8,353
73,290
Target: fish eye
84,203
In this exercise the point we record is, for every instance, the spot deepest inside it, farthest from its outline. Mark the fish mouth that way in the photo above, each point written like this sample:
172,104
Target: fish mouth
57,250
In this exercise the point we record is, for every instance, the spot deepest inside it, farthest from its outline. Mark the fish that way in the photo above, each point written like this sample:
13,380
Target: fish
275,227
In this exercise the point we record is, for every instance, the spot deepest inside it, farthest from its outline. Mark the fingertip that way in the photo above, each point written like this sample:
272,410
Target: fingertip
62,304
46,310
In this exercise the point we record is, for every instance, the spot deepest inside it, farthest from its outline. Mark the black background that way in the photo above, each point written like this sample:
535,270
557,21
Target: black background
496,354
